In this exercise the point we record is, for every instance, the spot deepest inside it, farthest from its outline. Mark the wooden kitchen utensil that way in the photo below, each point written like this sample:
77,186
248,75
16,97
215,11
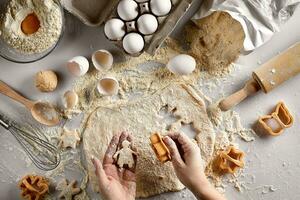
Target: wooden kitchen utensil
268,76
42,112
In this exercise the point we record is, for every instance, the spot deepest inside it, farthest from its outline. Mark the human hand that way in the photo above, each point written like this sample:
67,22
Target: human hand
115,183
187,163
186,159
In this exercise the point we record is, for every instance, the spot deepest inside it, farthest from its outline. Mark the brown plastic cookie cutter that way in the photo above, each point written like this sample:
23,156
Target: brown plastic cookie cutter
161,150
230,160
33,187
275,123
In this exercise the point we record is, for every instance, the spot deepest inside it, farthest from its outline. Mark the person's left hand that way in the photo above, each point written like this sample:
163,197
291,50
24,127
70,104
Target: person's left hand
115,183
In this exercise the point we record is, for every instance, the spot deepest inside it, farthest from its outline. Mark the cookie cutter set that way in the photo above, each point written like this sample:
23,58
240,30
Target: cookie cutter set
95,13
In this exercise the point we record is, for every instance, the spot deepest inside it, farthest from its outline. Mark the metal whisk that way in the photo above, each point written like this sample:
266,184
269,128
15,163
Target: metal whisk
44,155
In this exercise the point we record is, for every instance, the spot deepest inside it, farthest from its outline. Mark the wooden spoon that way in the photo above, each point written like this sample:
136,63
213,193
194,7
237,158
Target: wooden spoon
43,112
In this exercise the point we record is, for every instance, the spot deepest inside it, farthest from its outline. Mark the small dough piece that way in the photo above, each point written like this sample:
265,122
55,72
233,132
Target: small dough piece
33,187
46,81
125,155
69,138
161,150
68,190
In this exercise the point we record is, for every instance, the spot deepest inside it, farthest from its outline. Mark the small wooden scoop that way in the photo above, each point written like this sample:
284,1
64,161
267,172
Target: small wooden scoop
268,76
42,112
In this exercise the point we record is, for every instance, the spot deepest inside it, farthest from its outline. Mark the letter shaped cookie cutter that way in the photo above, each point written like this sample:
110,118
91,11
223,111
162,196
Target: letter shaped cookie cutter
275,123
230,160
33,187
161,150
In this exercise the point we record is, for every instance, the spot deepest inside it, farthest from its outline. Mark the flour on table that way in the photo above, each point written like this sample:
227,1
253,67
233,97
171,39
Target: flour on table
140,118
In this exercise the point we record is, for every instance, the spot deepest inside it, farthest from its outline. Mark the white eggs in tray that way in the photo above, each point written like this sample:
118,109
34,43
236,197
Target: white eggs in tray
160,7
133,43
128,10
135,21
147,24
114,29
182,64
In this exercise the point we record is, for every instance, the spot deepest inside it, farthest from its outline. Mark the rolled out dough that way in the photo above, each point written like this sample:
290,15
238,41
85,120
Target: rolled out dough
142,118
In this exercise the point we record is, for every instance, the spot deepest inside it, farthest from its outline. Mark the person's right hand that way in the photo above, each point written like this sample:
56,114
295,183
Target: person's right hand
188,166
187,163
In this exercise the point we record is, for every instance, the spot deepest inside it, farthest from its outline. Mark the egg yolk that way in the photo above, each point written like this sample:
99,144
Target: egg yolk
30,24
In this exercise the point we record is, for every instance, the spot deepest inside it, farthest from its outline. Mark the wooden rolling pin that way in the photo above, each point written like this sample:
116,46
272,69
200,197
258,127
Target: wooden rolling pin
268,76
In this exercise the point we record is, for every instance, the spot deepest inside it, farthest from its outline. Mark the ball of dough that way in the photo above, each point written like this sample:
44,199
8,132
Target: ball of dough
46,81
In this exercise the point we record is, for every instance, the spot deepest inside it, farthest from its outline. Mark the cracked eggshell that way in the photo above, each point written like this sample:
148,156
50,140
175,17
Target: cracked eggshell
147,24
127,10
182,64
114,29
102,60
78,66
108,86
70,99
160,7
133,43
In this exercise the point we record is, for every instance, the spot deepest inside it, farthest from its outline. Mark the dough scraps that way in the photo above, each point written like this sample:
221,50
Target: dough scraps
69,138
215,41
141,118
125,155
68,190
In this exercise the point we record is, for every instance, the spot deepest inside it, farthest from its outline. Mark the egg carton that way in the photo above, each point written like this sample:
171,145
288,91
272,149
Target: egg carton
151,42
90,12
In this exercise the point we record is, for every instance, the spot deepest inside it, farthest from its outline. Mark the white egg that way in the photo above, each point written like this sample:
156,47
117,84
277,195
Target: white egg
102,60
114,29
160,7
108,86
127,10
182,64
147,24
70,99
78,65
133,43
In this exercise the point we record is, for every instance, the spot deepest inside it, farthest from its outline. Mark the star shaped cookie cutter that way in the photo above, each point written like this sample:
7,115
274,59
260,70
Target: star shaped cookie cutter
161,150
230,160
275,123
33,187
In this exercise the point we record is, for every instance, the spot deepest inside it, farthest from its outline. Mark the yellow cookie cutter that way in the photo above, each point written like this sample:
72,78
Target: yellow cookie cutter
161,150
230,160
33,187
281,119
